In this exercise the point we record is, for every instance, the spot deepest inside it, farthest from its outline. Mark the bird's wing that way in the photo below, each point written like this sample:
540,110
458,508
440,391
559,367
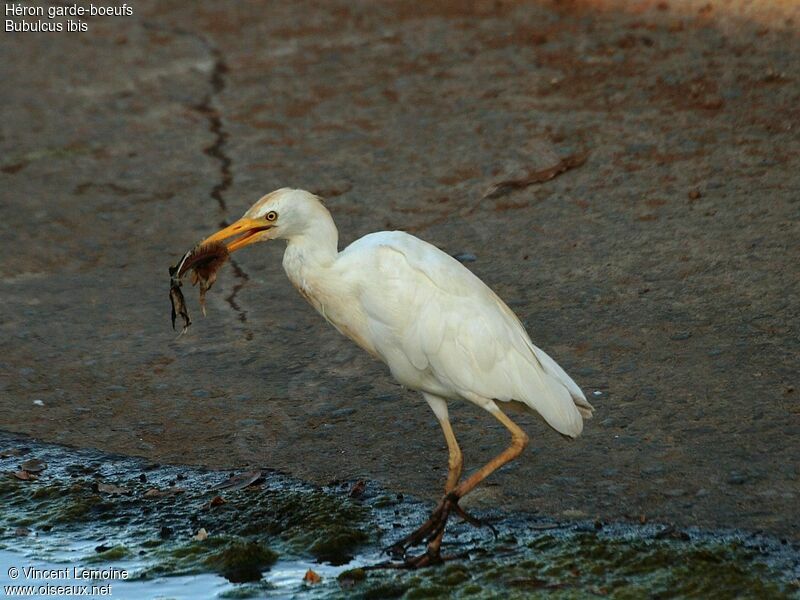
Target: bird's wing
444,319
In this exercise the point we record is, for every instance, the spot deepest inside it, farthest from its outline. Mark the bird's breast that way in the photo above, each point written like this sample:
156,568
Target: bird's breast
338,306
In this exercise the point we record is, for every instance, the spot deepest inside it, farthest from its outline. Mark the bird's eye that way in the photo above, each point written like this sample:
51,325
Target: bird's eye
271,215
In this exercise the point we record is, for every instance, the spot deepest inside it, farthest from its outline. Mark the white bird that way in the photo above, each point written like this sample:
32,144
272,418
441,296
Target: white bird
437,326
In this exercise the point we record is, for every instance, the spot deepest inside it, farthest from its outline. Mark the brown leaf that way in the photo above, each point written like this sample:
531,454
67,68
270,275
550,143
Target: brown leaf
216,501
565,164
156,493
237,482
9,452
311,577
33,465
24,475
109,488
358,489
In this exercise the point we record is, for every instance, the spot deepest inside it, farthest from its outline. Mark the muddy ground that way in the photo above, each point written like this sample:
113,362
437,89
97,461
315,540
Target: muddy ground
662,273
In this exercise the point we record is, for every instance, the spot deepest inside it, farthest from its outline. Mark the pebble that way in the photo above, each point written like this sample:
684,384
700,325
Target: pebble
736,478
640,148
626,367
681,335
627,440
653,470
34,465
465,257
342,412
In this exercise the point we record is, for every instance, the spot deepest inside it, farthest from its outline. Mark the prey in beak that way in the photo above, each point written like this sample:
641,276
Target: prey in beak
206,259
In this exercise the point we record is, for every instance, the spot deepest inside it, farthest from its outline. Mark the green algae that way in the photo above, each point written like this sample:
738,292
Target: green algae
352,576
328,527
246,534
280,521
261,589
570,566
242,562
113,554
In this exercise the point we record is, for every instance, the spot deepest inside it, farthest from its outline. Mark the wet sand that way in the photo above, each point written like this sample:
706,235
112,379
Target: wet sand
662,273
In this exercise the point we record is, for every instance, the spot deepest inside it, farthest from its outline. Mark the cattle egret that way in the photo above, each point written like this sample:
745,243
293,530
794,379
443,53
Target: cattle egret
439,329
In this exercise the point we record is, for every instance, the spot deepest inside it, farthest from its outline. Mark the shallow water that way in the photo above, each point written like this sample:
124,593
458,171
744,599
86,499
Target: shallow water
265,536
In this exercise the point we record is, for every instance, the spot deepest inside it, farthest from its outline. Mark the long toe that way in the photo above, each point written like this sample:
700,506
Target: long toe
427,559
428,531
396,550
472,520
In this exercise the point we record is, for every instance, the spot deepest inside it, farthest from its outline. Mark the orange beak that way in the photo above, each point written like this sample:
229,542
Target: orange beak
245,228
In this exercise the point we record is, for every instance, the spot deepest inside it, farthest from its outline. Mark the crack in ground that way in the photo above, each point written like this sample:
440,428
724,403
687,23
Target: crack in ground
216,150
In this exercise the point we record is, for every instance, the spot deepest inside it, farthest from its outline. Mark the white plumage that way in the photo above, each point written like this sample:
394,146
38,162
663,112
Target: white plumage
439,328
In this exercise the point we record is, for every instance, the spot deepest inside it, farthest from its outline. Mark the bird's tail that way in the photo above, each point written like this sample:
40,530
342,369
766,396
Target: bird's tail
553,369
548,390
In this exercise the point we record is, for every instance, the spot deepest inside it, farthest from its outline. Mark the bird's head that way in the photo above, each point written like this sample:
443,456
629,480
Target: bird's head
282,214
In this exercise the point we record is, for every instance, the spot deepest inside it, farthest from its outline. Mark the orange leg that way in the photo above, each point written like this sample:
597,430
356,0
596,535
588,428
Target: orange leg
519,441
433,529
455,464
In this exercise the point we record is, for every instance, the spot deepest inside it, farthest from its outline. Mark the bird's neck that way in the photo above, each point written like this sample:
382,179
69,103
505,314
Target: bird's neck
312,252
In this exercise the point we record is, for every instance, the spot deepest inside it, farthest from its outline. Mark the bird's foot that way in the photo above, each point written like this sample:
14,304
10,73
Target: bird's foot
474,521
429,530
429,558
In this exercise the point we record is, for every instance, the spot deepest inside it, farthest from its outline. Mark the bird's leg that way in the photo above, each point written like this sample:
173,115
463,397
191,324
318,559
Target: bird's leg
433,529
455,460
430,531
519,441
438,520
455,464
